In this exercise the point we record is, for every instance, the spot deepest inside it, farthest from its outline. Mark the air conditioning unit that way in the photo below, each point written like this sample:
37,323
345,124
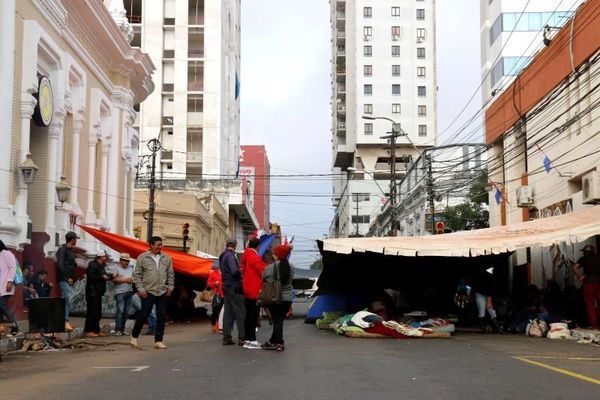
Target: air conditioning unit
524,196
591,187
367,38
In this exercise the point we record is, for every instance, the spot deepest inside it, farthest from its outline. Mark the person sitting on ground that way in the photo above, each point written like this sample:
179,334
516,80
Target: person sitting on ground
28,278
532,308
42,287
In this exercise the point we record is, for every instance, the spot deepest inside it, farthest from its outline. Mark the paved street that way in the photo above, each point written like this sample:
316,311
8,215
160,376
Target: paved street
315,365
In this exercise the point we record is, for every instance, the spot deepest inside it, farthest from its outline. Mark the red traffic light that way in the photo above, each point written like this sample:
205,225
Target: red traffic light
439,227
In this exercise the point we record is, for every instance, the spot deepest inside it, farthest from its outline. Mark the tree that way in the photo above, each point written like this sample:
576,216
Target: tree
473,213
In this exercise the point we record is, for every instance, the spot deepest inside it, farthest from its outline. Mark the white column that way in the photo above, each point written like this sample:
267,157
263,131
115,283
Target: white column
125,202
77,127
27,107
90,215
7,67
55,131
131,196
104,181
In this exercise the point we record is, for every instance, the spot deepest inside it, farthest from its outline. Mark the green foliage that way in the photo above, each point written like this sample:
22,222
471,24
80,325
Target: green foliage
472,214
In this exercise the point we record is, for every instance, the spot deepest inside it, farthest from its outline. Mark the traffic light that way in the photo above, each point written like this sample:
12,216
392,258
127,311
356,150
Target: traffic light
137,231
439,228
185,231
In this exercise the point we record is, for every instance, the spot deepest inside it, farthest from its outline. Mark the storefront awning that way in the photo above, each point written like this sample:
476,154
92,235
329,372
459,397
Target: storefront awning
570,228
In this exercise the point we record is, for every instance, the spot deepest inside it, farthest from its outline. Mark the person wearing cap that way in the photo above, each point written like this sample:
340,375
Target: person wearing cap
587,270
65,265
123,281
154,279
95,286
282,271
233,294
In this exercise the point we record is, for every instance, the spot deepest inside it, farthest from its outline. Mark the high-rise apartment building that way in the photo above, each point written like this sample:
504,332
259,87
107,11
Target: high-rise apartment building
195,45
195,112
384,67
512,32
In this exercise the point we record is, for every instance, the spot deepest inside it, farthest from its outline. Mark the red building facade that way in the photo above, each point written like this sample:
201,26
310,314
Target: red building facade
255,168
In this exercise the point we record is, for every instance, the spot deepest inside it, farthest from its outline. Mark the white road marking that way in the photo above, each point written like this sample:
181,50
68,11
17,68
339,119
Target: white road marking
135,368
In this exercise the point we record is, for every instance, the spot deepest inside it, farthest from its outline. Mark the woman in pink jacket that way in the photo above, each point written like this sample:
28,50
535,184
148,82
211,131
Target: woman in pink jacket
8,271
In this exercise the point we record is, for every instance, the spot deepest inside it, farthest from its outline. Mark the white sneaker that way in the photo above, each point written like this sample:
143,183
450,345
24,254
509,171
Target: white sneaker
160,346
252,345
134,342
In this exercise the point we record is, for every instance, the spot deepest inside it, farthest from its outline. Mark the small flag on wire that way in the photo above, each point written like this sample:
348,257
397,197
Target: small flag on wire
547,164
498,196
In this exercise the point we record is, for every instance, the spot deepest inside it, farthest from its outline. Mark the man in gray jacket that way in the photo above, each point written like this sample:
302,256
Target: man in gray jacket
154,279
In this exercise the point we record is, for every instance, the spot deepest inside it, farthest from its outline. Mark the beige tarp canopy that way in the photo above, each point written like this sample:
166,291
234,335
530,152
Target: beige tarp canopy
570,228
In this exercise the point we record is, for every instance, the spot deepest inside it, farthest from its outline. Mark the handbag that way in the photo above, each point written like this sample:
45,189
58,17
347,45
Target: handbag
271,291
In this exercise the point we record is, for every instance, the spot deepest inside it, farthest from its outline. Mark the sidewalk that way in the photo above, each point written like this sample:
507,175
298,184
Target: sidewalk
11,343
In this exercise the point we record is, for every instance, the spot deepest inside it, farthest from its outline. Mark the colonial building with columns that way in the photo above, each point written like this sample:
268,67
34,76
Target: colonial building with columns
70,79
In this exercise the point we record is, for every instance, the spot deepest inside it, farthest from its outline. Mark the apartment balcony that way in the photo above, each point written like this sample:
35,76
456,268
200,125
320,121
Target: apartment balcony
341,126
341,109
341,88
340,37
343,156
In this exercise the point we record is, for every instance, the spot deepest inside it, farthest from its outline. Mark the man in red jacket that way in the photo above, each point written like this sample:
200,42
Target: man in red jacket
252,269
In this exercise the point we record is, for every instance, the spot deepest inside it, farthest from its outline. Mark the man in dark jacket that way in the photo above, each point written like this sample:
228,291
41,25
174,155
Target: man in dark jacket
232,294
95,286
65,264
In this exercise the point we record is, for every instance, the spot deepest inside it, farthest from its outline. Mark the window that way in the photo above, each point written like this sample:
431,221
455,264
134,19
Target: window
368,128
395,11
368,109
368,90
395,70
422,130
422,111
420,33
421,91
367,12
396,90
361,219
395,32
395,51
420,14
368,32
368,51
421,72
368,70
395,108
421,52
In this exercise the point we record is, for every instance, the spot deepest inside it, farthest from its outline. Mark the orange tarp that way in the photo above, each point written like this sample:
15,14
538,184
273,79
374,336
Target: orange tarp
183,263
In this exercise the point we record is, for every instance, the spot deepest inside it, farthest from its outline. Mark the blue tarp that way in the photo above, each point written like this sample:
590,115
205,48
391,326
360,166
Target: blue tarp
335,302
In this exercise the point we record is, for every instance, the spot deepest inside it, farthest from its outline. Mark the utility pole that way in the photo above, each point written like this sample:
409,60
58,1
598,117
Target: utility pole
392,140
154,147
356,199
430,193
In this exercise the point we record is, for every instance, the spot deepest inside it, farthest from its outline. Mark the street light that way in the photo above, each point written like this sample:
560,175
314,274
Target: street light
28,170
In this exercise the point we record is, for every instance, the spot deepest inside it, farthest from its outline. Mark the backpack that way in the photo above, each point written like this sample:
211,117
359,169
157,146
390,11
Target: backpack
537,328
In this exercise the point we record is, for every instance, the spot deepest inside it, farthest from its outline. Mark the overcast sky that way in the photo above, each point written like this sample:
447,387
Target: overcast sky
285,94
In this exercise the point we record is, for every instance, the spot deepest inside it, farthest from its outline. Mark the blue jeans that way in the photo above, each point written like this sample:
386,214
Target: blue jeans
67,290
123,300
481,302
160,302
